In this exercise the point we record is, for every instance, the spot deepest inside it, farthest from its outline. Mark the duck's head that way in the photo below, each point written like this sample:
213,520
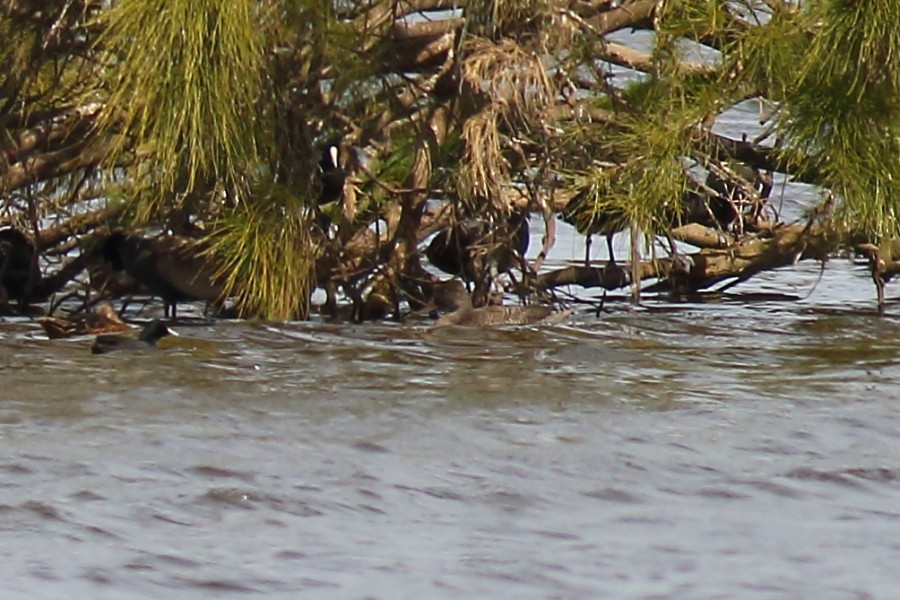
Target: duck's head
105,311
448,296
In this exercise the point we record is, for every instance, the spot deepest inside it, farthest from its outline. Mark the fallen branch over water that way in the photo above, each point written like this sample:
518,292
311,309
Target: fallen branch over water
721,259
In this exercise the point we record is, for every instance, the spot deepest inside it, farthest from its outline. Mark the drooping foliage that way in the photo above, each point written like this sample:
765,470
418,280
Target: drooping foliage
191,97
208,119
186,91
265,253
841,115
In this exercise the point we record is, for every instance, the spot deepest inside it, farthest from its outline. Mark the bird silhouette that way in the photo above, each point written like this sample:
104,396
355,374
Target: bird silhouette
169,267
592,220
475,251
19,274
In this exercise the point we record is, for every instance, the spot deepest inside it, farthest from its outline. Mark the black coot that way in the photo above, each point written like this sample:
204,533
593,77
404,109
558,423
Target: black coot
331,175
153,332
467,249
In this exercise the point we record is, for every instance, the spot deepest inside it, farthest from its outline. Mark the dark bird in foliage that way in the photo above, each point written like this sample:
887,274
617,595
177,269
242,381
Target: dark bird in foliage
168,266
720,210
152,333
451,299
331,178
726,205
102,320
19,274
470,249
590,221
331,175
761,182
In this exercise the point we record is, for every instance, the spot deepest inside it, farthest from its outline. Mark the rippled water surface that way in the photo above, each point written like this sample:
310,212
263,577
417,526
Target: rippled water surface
747,448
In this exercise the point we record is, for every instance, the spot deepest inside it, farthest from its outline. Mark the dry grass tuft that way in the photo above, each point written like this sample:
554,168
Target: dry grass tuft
514,90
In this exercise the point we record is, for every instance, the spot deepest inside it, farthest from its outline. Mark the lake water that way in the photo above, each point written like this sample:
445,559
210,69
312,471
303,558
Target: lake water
743,448
746,448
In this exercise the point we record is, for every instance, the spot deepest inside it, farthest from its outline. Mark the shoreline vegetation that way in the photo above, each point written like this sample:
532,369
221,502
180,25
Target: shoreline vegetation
257,151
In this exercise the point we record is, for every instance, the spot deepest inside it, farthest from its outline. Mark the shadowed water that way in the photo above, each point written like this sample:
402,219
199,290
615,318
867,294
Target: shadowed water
733,449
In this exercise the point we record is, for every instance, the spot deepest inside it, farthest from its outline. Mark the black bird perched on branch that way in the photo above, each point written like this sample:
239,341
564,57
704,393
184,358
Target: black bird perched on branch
169,267
472,248
721,205
591,221
331,175
732,184
152,333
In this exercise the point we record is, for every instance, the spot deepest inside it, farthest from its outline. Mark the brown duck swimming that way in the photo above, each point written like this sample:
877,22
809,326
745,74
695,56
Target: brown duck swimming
102,320
451,297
